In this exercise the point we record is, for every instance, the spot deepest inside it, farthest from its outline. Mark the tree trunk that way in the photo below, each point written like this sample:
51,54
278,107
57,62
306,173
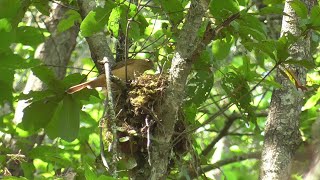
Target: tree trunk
282,136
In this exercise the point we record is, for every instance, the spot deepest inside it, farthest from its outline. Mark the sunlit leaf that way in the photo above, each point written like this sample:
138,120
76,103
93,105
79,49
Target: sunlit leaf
300,8
72,17
223,9
96,20
66,120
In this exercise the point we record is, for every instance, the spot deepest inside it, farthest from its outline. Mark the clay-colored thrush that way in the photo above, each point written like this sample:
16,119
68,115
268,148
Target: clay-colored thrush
135,67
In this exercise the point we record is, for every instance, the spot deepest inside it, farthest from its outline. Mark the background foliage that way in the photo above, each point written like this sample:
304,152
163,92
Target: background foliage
228,94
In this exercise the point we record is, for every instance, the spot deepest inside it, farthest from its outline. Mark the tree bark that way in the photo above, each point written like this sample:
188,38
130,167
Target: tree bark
282,136
170,108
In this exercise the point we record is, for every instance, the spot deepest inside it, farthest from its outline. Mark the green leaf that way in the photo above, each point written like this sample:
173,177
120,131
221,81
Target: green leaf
71,17
276,9
315,13
267,47
47,76
96,20
117,20
304,63
238,90
66,120
172,8
6,84
251,26
200,84
28,35
28,169
313,100
7,36
39,114
223,9
42,6
221,48
10,61
36,95
300,8
89,174
51,154
9,8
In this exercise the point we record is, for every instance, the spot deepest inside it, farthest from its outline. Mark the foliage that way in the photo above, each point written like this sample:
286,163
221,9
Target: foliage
231,79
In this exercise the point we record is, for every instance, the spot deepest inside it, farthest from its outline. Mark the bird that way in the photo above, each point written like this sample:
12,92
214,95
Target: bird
135,67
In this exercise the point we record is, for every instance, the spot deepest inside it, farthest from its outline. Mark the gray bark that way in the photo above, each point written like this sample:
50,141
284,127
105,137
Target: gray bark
282,136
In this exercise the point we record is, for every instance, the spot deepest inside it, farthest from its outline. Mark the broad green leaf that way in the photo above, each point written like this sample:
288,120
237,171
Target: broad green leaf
272,83
103,177
28,35
276,9
6,84
238,90
89,174
304,63
267,47
9,8
47,76
36,95
315,14
201,82
272,1
300,8
7,36
72,17
51,154
66,120
28,169
223,9
221,48
42,6
282,46
39,114
250,26
96,20
313,100
10,61
173,9
116,19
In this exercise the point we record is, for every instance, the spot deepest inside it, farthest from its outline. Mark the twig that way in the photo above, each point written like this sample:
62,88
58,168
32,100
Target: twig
148,140
111,116
254,155
103,157
222,133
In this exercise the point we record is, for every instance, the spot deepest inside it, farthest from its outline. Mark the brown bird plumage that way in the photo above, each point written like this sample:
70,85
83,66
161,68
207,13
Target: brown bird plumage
134,67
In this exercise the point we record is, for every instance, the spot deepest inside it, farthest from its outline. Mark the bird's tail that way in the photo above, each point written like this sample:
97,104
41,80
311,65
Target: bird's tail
77,88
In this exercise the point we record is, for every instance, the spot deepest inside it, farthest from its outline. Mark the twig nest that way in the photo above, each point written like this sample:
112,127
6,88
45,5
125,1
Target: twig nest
145,91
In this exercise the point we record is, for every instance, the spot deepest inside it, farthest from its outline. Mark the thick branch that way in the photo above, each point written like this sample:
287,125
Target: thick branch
98,43
169,111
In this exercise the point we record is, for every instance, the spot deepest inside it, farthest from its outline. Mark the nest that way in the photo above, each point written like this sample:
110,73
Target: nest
137,117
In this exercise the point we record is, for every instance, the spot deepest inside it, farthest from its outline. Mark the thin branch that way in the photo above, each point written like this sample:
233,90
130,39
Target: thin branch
222,133
254,155
111,116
